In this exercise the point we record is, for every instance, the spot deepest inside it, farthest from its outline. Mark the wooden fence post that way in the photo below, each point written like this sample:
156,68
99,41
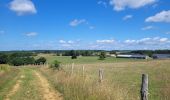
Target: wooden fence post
83,70
72,68
100,75
144,87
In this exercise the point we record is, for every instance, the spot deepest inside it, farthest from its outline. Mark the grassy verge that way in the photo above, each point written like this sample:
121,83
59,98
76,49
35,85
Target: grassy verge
7,79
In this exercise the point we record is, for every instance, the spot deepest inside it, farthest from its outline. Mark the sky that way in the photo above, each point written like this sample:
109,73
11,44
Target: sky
84,24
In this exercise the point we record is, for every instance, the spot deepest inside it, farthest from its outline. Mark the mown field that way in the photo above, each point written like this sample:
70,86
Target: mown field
84,60
122,79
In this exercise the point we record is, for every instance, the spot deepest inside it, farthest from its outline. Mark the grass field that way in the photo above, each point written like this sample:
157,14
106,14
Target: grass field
122,80
85,60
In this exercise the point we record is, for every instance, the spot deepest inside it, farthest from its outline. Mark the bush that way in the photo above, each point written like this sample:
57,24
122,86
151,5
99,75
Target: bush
56,65
41,60
102,56
3,58
74,57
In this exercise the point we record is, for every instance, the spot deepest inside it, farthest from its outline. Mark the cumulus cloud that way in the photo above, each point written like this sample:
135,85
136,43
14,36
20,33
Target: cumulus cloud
77,22
120,5
163,16
127,17
103,3
62,41
22,7
147,27
105,41
31,34
70,44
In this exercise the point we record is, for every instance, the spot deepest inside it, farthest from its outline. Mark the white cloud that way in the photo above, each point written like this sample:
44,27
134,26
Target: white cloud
127,17
147,28
22,7
77,22
148,41
70,42
105,41
130,41
163,16
120,5
164,40
62,41
31,34
66,42
102,3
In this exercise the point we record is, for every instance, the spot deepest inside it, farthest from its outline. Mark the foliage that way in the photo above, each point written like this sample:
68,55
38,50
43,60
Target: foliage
41,60
3,58
102,56
22,61
73,54
55,65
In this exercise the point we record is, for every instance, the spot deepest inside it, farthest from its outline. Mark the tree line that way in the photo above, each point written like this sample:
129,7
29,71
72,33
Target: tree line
20,58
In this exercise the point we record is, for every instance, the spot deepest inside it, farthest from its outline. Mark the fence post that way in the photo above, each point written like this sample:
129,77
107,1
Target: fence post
83,70
72,68
100,75
144,87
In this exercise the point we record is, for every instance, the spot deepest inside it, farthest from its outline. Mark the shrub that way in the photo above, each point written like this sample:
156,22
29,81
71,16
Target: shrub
41,60
55,65
74,57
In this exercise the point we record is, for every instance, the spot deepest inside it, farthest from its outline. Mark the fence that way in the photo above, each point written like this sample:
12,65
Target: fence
144,80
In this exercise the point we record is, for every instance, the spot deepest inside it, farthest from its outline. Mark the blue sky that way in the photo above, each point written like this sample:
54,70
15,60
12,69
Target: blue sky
84,24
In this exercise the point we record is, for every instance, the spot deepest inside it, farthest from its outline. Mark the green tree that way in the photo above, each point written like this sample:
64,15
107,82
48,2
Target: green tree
41,60
102,56
3,58
73,54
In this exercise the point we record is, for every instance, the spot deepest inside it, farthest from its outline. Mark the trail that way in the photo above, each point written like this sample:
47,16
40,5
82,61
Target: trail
48,92
15,88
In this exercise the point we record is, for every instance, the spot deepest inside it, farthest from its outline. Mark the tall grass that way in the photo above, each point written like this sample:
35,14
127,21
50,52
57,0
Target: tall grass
121,80
4,67
7,79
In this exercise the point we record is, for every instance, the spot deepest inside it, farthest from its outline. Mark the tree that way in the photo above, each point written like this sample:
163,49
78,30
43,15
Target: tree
16,62
102,56
73,54
41,60
3,58
28,60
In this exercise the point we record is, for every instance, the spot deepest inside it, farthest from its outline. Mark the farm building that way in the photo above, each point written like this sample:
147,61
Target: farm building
135,56
161,56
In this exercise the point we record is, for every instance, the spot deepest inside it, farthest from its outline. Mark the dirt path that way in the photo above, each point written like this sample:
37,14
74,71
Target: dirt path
48,92
15,88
